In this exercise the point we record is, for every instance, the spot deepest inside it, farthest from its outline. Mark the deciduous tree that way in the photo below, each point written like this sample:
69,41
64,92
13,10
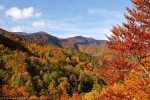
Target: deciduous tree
132,39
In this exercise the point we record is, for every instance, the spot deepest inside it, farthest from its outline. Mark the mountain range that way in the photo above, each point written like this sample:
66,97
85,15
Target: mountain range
43,38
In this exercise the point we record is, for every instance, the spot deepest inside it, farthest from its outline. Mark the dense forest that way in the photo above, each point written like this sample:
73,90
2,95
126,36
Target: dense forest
34,70
41,66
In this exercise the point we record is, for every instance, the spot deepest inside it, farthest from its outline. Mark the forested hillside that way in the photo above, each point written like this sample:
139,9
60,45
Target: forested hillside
48,70
42,66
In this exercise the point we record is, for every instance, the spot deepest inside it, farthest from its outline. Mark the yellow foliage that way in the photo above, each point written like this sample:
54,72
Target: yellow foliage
91,64
76,97
94,95
131,89
54,61
2,47
100,62
68,60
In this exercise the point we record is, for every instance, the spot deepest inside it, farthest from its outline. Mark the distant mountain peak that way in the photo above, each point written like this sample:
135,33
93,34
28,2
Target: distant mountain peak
40,32
43,38
79,36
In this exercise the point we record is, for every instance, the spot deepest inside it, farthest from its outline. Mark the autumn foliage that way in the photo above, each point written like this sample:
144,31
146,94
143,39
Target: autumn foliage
128,65
118,71
45,71
132,39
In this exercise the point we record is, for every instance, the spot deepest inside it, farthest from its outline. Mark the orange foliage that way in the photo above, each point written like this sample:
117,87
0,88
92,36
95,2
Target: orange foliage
54,61
76,97
131,40
131,89
131,43
65,97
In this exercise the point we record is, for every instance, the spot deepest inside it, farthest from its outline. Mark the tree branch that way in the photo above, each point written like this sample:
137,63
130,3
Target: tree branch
140,65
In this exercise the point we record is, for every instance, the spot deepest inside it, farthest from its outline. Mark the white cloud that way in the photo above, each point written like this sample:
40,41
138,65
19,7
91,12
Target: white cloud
17,13
39,24
17,29
104,12
97,11
2,7
38,14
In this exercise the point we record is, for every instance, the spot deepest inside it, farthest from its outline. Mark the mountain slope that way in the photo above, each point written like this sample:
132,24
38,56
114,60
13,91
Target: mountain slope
44,38
29,69
81,43
41,38
85,41
78,43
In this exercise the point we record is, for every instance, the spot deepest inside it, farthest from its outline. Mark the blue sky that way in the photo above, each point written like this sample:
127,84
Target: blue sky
63,18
